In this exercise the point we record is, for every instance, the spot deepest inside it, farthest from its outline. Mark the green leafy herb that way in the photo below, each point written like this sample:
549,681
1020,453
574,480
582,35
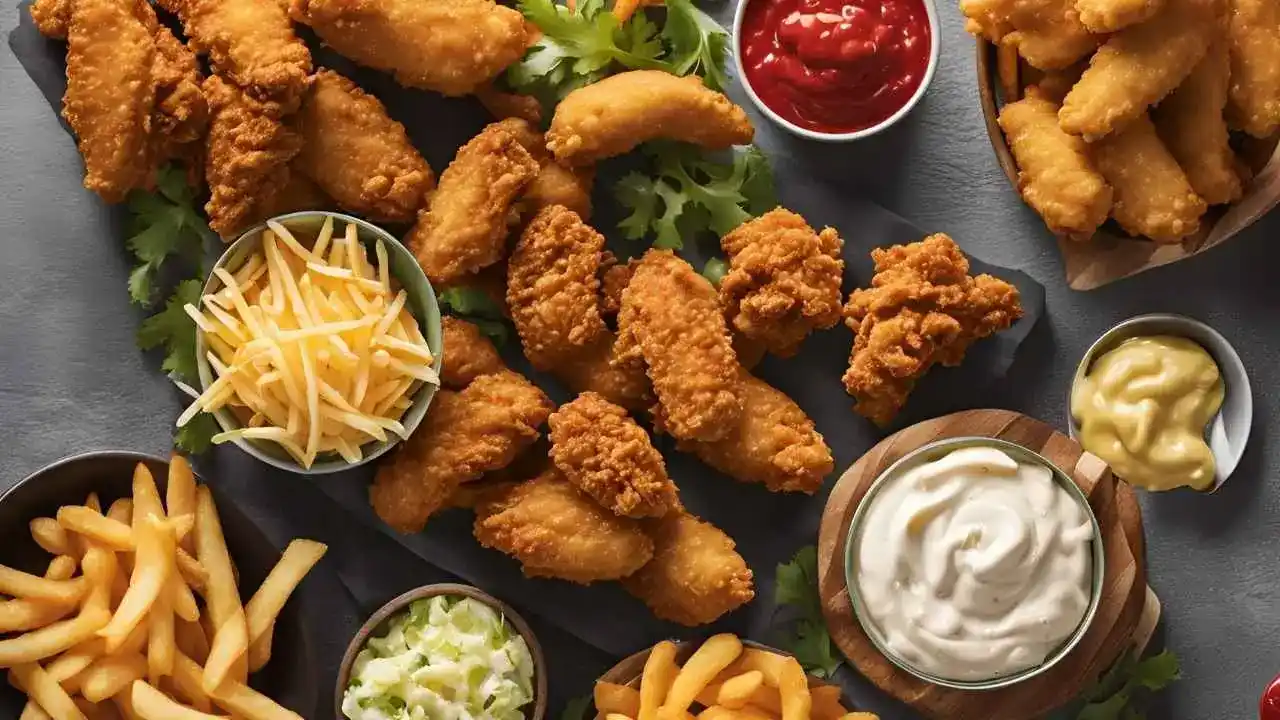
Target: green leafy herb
1124,691
697,43
165,223
175,331
478,308
797,588
196,436
576,709
714,270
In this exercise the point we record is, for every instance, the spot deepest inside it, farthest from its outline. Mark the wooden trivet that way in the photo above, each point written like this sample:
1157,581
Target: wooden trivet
1120,614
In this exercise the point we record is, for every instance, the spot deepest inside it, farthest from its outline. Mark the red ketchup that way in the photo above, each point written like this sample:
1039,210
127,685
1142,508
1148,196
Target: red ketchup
835,66
1269,707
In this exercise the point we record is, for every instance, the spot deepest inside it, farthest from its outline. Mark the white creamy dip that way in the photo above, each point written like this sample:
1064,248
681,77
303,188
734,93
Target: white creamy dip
974,566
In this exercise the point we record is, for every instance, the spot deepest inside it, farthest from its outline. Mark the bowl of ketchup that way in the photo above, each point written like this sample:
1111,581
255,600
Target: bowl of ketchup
835,70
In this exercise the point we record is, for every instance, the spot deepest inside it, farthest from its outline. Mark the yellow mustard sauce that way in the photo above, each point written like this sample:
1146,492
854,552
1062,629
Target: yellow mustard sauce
1143,408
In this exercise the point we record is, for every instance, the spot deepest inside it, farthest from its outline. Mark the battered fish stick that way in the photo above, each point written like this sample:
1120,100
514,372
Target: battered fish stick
251,42
1255,66
1108,16
1137,67
613,116
1152,195
1048,34
1192,126
1055,174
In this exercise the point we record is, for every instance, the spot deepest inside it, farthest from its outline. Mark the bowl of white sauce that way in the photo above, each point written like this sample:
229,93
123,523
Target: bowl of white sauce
974,564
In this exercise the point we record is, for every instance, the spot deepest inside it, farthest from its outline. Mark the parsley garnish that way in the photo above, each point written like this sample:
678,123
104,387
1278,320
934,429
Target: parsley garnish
173,329
165,223
1124,691
797,588
697,43
476,307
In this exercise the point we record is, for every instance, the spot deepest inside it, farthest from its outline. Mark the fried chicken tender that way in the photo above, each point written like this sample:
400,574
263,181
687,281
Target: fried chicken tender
614,277
1138,67
614,115
783,280
181,115
605,454
553,288
1056,175
358,154
502,105
251,43
51,17
1254,30
597,368
1153,196
922,308
555,183
464,435
468,354
1048,34
671,318
464,226
298,193
695,575
454,47
555,531
1108,16
1191,124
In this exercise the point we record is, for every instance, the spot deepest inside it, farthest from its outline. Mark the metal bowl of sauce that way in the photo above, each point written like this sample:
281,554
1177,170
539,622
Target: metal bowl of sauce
974,564
1165,401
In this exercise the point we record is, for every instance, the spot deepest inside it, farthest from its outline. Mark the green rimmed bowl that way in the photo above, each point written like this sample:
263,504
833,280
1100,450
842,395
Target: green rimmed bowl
421,303
929,453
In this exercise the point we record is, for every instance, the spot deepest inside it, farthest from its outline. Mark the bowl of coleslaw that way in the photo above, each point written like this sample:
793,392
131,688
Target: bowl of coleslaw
443,651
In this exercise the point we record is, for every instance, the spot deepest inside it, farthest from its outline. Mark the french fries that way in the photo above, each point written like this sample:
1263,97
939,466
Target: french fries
266,603
50,536
701,668
616,699
660,670
151,704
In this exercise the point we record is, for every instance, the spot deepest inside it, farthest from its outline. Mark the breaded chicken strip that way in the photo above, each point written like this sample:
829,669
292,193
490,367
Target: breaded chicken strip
358,154
464,227
468,354
451,46
604,453
1255,66
671,318
1191,124
783,280
613,116
181,114
250,42
1056,175
501,105
464,435
1048,34
614,277
597,368
298,193
110,94
553,288
555,183
555,531
695,575
51,17
1153,196
1108,16
1138,66
774,443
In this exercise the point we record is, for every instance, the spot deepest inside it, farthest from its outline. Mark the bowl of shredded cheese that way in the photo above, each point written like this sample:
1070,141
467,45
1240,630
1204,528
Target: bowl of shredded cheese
318,343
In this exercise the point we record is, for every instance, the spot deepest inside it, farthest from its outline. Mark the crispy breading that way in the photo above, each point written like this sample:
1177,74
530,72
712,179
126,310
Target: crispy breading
1108,16
597,368
298,193
695,575
501,105
468,354
1048,34
51,17
181,114
464,226
614,277
555,184
671,318
252,44
922,308
1153,196
454,47
464,435
1254,30
605,454
552,286
555,531
359,155
614,115
783,280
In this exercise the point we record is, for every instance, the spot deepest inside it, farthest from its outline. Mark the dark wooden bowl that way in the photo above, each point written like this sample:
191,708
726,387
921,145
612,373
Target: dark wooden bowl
379,619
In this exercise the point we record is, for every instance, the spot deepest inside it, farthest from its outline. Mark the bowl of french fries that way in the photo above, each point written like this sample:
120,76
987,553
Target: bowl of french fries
123,599
318,343
722,678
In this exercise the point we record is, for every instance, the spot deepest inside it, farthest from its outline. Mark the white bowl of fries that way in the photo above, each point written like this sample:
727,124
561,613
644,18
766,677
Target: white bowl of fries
318,343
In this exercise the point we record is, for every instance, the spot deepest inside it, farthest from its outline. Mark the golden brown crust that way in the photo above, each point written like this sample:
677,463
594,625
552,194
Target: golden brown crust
1048,34
250,42
597,368
555,184
51,17
468,354
1153,197
181,115
1254,31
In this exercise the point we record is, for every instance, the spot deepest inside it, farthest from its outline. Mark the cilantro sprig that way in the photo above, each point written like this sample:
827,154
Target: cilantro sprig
1124,691
797,588
476,307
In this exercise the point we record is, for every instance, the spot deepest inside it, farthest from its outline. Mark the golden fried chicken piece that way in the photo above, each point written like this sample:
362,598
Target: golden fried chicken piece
552,286
1056,175
555,184
614,277
671,318
1108,16
1254,30
555,531
502,105
51,17
783,280
750,352
110,95
468,354
181,115
695,575
1048,34
1191,124
454,47
464,435
358,154
604,453
1138,66
922,308
1153,196
614,115
464,226
298,193
597,368
252,44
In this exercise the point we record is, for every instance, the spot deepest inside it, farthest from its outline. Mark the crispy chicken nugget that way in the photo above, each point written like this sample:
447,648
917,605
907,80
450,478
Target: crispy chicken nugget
250,42
1192,125
1056,176
671,318
1138,66
358,154
51,17
555,184
695,575
464,435
1108,16
1153,196
501,105
555,531
298,193
464,226
605,454
553,288
613,116
181,115
1255,66
454,47
1048,34
597,368
468,354
783,280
